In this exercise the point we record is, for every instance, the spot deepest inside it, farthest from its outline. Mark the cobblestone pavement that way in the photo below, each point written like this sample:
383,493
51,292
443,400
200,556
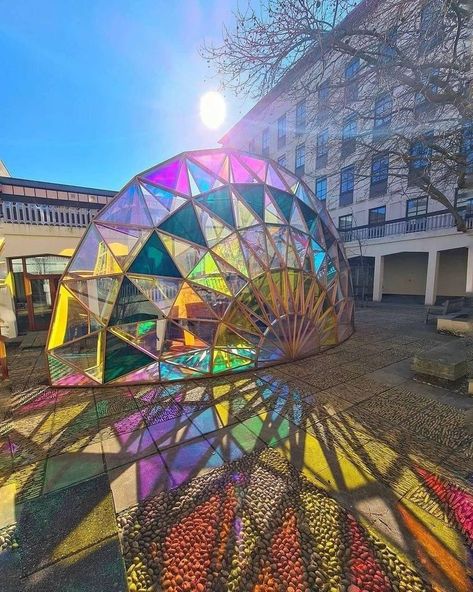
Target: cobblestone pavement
337,473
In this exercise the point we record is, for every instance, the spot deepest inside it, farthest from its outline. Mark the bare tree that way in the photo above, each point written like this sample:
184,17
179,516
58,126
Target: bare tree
396,75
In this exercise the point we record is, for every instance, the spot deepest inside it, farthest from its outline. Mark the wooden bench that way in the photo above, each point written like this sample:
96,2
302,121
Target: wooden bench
447,307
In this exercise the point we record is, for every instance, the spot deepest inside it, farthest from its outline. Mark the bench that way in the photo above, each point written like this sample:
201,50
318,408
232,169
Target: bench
447,307
447,362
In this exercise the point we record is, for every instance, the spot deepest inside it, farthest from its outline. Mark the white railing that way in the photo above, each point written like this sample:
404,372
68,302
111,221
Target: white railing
426,223
45,215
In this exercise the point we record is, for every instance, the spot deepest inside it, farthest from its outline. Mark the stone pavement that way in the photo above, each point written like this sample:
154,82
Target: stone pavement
339,473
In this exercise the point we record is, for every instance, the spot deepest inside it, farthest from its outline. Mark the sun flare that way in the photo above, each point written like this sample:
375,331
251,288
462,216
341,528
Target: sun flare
212,109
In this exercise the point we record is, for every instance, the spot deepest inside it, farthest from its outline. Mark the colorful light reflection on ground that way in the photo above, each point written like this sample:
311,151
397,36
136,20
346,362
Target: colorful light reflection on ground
315,475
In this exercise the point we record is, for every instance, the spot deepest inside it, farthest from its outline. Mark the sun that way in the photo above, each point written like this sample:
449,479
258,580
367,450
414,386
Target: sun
212,109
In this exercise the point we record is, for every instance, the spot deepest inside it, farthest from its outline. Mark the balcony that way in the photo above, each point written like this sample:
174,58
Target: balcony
403,226
46,215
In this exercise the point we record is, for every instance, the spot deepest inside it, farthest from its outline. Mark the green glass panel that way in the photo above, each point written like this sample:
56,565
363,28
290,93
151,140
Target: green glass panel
230,251
184,224
122,358
309,215
132,306
253,195
199,361
153,259
284,201
219,203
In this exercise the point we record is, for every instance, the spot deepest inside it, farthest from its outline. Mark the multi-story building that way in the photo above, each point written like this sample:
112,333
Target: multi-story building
399,240
40,226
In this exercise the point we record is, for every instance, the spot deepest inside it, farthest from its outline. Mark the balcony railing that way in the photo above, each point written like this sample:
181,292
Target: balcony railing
429,222
45,215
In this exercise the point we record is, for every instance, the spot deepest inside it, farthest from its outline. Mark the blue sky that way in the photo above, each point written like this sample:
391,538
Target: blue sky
92,92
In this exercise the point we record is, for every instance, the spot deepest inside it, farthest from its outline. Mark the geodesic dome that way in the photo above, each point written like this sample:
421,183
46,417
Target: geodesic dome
214,261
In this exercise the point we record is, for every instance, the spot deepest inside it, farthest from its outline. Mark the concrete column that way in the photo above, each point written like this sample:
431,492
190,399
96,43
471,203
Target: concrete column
432,278
378,278
469,273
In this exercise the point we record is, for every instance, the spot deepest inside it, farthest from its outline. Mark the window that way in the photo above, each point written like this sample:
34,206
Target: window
382,111
345,222
347,185
421,103
251,147
323,93
379,174
321,188
351,84
282,131
416,207
432,26
300,159
282,160
265,142
468,148
349,131
420,154
464,202
377,216
322,149
300,117
387,47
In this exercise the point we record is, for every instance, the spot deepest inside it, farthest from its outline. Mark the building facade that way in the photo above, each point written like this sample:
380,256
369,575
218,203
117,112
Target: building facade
400,242
41,224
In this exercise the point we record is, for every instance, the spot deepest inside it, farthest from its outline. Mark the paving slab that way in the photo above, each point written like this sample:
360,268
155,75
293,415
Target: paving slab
64,522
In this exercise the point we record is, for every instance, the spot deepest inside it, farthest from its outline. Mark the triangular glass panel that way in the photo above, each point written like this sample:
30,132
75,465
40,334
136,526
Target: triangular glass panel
160,202
255,237
153,259
128,207
214,230
203,179
224,172
309,215
148,374
296,219
178,341
168,175
257,165
303,195
271,214
213,279
233,280
97,294
161,291
230,251
212,161
121,358
93,257
189,305
253,196
217,302
284,201
184,254
301,243
204,329
240,174
184,224
123,241
220,203
243,215
147,335
224,360
70,320
238,318
132,306
170,372
227,338
64,375
253,263
85,354
274,180
199,361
